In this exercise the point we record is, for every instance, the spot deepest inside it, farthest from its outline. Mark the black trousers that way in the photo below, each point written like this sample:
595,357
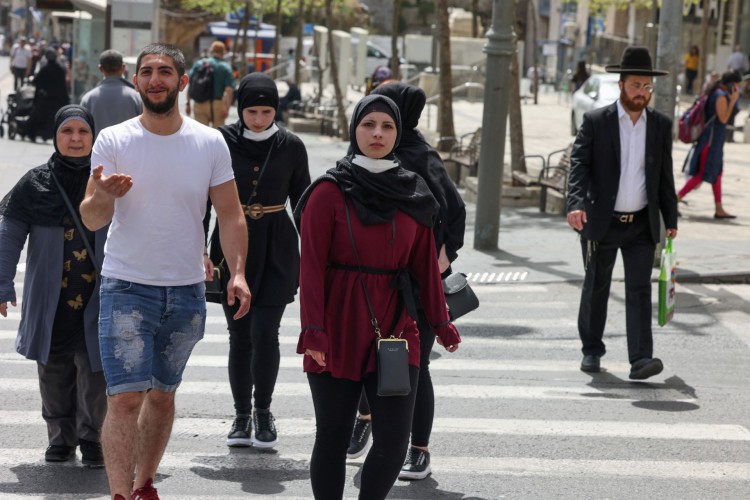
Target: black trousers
253,355
335,401
19,74
424,406
74,399
637,248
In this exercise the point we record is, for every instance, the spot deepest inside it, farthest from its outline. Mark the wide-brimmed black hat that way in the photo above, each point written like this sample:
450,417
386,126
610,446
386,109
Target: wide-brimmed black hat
635,61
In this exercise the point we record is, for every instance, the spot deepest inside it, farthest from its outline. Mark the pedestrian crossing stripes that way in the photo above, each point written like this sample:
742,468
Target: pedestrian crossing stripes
487,426
457,391
488,466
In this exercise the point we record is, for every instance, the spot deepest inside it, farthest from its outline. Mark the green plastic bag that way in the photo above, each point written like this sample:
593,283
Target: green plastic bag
667,283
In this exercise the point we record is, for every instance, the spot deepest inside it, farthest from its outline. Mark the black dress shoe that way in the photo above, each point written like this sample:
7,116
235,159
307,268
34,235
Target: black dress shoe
590,363
725,216
59,453
645,368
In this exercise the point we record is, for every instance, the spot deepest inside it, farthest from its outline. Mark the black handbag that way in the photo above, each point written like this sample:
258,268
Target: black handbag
216,288
459,296
392,352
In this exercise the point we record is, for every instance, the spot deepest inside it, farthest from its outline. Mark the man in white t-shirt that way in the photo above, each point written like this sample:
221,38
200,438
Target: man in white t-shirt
152,180
20,61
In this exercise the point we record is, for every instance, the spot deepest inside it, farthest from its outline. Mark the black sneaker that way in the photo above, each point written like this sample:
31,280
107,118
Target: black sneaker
59,453
265,429
417,465
239,435
91,454
360,438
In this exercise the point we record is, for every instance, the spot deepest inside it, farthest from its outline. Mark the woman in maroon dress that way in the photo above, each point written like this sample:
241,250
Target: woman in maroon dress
391,212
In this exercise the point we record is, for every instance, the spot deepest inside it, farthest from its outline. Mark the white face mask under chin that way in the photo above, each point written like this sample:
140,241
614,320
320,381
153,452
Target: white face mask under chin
372,165
260,136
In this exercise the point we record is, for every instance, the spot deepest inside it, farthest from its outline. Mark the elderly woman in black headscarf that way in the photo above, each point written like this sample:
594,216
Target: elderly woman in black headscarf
416,155
50,95
367,243
59,317
270,168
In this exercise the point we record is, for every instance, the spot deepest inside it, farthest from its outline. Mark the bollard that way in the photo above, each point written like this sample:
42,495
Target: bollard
746,130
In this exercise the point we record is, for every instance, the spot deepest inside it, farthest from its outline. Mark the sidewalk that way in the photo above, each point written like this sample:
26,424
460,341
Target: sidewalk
541,245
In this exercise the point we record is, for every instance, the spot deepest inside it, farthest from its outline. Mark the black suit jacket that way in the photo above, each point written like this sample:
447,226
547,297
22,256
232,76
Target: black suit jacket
595,171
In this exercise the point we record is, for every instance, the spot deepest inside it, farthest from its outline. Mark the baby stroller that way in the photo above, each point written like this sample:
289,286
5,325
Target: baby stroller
20,104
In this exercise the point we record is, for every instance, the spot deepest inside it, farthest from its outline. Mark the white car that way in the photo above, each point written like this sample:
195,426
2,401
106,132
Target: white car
598,91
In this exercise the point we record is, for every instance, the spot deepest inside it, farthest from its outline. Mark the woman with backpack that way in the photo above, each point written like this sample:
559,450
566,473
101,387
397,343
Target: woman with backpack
707,162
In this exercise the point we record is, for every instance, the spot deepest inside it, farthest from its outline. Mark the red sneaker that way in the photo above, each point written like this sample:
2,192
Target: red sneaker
146,492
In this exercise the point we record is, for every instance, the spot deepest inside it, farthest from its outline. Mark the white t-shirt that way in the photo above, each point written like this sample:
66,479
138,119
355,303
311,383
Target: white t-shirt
156,235
20,57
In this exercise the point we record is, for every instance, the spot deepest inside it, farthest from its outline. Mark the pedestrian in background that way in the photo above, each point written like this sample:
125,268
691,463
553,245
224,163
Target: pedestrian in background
415,154
20,62
60,310
366,228
115,99
153,177
270,167
214,111
580,75
614,202
692,60
707,161
51,94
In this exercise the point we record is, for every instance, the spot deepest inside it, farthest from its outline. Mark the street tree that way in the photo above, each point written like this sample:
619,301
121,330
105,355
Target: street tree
445,83
517,150
395,30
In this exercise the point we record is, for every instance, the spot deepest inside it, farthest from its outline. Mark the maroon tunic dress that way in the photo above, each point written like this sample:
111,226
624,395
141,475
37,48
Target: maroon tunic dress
334,313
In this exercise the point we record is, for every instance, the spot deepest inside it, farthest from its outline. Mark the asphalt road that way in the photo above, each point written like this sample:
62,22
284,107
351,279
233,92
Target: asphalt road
515,417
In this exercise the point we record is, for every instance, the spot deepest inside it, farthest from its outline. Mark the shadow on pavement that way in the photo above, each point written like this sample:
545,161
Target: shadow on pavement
57,480
669,395
424,489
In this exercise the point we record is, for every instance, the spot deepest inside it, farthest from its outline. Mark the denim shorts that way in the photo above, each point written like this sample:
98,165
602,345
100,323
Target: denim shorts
146,333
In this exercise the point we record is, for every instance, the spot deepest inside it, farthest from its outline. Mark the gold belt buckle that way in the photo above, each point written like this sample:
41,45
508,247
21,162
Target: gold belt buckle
255,211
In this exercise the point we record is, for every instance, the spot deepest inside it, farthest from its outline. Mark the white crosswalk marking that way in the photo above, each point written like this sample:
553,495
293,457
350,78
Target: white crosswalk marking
513,392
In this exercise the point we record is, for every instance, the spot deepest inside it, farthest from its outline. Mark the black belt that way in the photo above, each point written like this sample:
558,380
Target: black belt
404,282
628,217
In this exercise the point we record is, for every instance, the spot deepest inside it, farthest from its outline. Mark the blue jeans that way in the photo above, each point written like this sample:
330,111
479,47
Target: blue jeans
146,333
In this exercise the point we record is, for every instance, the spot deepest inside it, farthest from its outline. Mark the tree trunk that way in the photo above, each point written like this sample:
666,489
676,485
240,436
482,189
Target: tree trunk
534,61
298,50
394,38
475,18
445,103
277,40
704,44
241,47
333,65
514,113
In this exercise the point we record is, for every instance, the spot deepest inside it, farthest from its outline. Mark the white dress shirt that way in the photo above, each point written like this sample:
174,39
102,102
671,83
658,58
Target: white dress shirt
631,193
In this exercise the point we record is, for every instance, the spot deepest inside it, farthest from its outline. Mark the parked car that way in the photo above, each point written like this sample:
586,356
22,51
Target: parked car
598,91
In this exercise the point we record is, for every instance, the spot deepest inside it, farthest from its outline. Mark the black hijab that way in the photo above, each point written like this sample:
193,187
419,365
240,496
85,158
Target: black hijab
416,154
377,197
256,89
36,199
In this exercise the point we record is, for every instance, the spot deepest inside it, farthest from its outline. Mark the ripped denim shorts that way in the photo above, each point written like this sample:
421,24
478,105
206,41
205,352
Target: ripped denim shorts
146,333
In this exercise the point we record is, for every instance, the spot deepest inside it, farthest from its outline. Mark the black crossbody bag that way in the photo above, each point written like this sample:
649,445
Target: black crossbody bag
392,352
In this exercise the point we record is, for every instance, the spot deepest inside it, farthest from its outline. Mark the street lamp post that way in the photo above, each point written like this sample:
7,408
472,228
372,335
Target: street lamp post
499,50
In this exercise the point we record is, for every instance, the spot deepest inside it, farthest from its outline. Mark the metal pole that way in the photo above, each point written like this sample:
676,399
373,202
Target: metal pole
668,52
499,50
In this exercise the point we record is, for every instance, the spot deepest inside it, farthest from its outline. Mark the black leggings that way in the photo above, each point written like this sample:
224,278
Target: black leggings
335,401
424,406
253,355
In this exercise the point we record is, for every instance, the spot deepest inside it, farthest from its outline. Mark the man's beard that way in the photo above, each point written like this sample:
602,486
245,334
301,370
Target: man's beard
162,107
632,105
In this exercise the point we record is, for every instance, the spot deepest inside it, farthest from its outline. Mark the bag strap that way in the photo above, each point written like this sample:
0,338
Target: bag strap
399,303
254,192
78,224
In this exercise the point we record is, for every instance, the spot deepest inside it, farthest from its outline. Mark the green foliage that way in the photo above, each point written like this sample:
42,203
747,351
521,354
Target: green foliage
288,7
